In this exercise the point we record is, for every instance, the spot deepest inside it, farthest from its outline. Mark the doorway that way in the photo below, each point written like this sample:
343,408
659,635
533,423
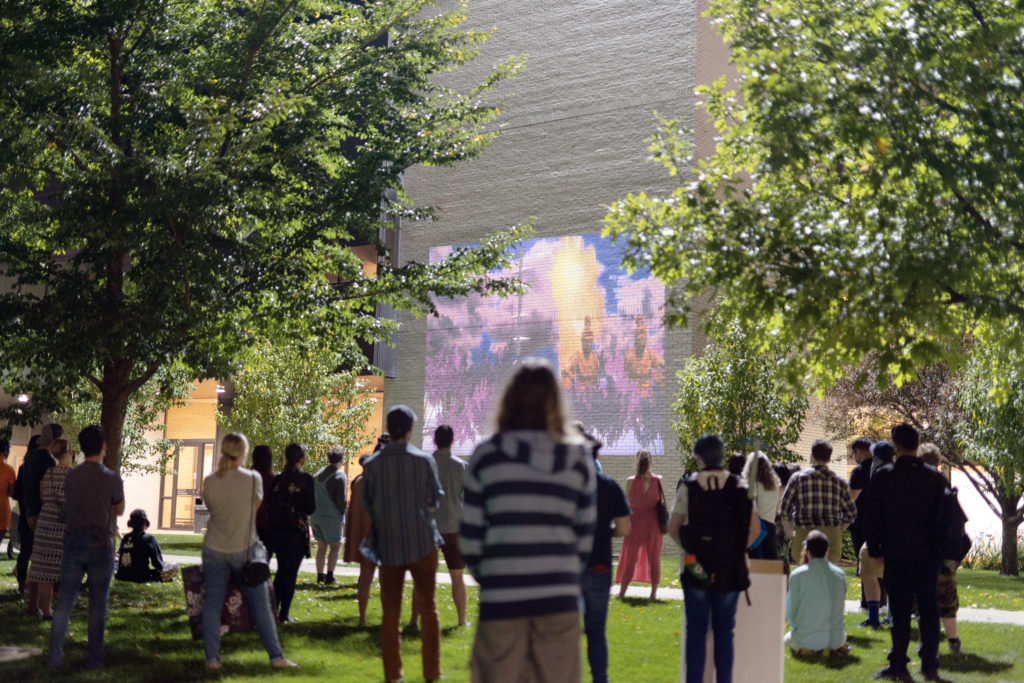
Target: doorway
180,486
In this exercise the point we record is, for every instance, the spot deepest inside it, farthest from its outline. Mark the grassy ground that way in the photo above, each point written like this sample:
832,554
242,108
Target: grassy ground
148,638
977,587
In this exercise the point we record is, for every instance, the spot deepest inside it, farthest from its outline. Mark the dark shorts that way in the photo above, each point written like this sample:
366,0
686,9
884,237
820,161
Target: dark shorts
450,550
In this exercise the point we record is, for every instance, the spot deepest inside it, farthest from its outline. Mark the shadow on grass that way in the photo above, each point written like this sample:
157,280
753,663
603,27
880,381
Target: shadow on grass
639,602
966,663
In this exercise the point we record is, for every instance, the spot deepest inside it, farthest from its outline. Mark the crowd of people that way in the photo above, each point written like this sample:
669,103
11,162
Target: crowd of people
531,517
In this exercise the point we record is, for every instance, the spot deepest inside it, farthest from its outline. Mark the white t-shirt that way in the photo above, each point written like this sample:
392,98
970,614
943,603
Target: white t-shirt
232,501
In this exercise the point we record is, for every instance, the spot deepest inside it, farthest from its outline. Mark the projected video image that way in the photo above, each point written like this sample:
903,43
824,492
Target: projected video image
598,325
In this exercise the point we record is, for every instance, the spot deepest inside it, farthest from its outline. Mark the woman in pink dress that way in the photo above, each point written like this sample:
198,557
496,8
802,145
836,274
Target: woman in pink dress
640,557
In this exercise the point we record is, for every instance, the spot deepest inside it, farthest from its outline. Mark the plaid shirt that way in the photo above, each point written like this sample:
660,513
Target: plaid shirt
817,497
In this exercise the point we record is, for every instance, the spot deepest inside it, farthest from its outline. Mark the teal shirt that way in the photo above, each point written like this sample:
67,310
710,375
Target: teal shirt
815,605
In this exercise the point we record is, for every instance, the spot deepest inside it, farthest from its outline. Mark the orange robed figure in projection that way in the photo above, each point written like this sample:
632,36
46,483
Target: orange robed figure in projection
584,369
641,363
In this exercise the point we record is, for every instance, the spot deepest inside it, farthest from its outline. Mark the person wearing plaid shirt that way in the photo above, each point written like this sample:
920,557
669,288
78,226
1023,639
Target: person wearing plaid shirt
816,498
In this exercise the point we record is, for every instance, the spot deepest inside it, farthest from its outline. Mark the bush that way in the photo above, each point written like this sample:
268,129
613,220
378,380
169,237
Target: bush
987,552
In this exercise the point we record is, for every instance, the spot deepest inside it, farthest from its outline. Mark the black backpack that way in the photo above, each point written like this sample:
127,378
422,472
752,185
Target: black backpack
719,524
954,543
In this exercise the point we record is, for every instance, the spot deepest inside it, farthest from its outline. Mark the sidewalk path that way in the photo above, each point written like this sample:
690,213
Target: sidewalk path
974,614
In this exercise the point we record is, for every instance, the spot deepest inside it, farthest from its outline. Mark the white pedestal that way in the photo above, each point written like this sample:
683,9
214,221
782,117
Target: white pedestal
760,627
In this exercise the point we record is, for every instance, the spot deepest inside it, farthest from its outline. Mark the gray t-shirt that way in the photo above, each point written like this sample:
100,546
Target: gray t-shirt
232,501
90,490
451,471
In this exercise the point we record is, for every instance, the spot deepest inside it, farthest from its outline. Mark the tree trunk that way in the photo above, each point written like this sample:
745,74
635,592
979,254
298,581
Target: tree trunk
114,408
1009,564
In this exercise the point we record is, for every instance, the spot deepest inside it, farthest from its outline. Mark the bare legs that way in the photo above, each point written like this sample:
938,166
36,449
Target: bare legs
328,552
366,571
44,600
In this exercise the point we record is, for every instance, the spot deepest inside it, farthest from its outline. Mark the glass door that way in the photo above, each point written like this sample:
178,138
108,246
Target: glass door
180,485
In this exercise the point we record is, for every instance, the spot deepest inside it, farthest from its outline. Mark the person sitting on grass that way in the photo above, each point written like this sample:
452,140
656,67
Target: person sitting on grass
816,601
138,550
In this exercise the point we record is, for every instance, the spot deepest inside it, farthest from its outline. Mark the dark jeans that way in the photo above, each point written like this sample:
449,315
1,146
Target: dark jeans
595,589
906,580
83,555
27,537
290,549
699,605
768,549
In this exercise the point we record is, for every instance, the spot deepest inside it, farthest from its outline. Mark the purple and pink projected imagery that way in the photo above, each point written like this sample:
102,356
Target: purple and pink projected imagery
600,326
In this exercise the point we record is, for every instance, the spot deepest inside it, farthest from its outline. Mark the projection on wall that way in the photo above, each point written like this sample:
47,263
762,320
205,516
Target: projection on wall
600,326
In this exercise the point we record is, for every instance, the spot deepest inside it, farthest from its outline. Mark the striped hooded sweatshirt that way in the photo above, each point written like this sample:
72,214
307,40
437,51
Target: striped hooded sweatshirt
528,523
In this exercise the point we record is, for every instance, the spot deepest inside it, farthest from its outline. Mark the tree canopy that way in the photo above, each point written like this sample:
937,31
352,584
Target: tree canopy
176,176
739,392
866,191
294,390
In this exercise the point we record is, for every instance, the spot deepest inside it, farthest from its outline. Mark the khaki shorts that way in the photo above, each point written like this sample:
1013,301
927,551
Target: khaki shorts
835,542
869,567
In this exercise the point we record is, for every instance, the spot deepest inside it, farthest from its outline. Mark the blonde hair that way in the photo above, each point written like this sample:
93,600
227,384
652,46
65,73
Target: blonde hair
931,454
532,399
59,448
643,462
232,447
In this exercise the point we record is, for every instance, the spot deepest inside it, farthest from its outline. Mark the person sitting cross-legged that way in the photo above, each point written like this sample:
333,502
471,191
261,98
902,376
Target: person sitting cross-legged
816,601
138,551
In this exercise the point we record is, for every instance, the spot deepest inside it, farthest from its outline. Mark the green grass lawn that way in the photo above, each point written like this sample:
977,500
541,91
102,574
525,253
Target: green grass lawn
180,544
148,639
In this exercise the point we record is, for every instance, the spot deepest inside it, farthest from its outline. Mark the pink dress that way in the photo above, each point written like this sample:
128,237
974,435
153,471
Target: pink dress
640,557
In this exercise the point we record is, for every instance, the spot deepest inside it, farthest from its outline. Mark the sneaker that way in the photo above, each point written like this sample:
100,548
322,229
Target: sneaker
283,663
869,623
894,674
328,579
930,674
955,646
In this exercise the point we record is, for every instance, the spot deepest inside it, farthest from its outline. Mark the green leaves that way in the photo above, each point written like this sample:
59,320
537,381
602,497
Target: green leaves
738,389
865,193
174,176
293,389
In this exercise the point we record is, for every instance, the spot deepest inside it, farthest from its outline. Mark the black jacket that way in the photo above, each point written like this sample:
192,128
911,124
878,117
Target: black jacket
902,511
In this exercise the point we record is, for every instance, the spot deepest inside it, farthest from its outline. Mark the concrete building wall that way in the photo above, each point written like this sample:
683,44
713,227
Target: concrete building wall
575,123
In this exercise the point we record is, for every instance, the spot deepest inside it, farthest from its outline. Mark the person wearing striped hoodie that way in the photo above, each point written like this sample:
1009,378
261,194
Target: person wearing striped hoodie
526,533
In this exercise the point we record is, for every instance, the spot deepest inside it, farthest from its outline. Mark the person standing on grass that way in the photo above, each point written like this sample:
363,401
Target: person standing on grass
640,555
527,531
94,496
48,547
450,470
357,527
292,501
902,522
232,494
38,461
714,522
816,602
949,600
330,485
816,498
401,490
882,453
7,479
613,515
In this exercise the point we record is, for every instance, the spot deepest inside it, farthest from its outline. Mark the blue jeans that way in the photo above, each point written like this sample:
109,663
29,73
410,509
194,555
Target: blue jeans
218,567
595,589
721,608
83,555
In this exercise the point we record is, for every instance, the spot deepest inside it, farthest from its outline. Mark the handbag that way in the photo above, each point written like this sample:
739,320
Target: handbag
662,509
256,569
235,615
